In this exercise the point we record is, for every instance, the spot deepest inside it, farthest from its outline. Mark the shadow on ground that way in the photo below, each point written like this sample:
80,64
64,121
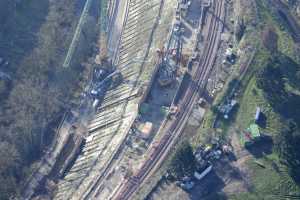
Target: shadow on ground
263,146
208,188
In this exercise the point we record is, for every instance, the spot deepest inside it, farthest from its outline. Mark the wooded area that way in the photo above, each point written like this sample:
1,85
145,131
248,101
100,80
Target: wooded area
183,161
34,38
280,82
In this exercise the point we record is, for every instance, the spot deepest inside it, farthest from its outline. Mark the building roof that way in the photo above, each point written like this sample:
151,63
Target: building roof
257,113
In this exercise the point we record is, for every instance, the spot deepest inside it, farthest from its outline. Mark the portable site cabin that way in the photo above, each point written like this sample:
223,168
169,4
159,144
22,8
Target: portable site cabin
201,175
257,114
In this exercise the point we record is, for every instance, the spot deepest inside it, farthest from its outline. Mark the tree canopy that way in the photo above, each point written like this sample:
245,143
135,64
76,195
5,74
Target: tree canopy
288,142
279,80
183,161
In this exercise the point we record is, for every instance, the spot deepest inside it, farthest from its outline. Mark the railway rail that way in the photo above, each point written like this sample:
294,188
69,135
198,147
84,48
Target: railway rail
175,130
136,18
110,125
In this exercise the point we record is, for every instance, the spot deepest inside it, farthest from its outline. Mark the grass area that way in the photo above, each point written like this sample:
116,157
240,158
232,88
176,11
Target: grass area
269,182
285,40
264,181
273,181
204,130
252,98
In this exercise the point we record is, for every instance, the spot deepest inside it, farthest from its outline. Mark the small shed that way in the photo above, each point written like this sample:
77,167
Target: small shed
201,175
257,114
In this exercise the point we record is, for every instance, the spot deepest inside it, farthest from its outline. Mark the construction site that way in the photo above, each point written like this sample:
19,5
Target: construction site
155,65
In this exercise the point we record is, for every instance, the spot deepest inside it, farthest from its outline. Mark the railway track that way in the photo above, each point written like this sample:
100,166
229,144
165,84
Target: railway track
88,186
175,130
85,178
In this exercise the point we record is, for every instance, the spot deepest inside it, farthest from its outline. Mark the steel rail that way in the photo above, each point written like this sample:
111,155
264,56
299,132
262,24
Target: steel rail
176,128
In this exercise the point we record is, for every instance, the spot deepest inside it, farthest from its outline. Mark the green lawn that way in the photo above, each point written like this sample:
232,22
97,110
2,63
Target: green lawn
252,98
271,182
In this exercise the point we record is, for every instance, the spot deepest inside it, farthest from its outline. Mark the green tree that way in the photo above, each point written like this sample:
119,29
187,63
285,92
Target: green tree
270,80
287,143
183,161
9,167
10,157
3,89
7,187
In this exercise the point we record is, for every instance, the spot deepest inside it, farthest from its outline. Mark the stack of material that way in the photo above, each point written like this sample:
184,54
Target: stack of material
146,131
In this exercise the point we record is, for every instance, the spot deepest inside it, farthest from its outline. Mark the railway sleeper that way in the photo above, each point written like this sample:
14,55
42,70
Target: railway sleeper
111,126
81,166
101,134
112,105
135,34
126,63
72,177
97,149
117,96
97,138
137,21
130,55
96,145
137,46
137,43
104,124
121,97
88,161
113,111
133,40
100,143
101,115
103,119
99,126
121,100
63,185
61,195
135,5
123,89
66,187
144,8
128,76
135,2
